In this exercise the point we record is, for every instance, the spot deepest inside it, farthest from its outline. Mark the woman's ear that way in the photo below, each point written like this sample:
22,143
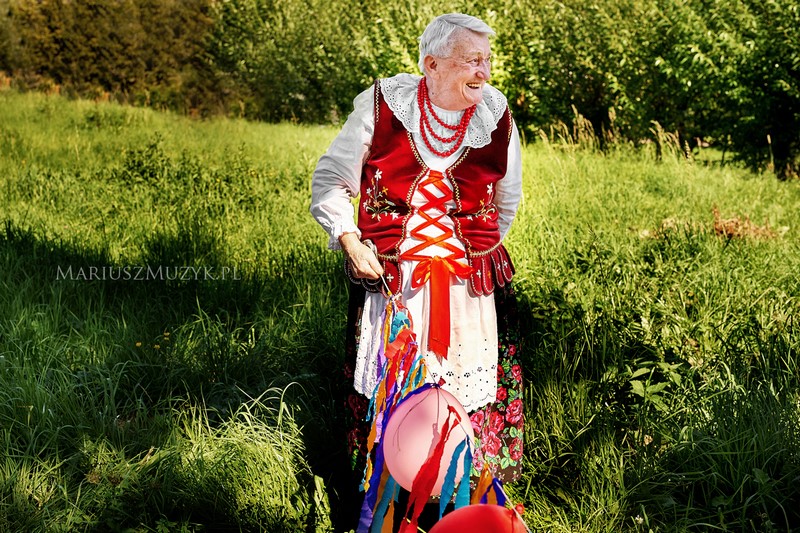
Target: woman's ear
431,65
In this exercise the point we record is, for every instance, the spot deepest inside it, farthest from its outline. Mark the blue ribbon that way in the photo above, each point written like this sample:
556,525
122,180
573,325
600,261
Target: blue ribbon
390,492
462,498
449,484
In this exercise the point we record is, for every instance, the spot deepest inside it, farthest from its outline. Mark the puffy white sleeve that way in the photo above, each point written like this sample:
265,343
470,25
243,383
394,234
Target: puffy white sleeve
337,177
508,192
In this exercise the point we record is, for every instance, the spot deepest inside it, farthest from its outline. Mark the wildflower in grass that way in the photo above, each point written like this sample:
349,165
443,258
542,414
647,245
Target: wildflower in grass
139,344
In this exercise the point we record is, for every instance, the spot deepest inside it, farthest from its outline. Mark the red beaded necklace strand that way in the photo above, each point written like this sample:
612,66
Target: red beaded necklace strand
460,129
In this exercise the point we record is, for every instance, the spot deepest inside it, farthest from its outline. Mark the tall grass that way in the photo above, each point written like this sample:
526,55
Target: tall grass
660,351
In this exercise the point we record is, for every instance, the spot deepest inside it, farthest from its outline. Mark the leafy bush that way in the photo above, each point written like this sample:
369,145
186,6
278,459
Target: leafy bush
134,51
707,71
752,54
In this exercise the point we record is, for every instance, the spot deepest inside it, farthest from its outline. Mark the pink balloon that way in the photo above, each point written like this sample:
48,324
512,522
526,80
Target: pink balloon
480,518
413,430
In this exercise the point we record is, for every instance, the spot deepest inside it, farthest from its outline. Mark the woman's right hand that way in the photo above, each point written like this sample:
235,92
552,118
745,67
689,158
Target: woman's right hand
363,261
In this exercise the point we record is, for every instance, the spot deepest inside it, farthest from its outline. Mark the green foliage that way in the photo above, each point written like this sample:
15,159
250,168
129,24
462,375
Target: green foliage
306,61
754,51
297,75
643,324
102,380
723,71
554,58
7,40
137,51
660,354
215,470
705,71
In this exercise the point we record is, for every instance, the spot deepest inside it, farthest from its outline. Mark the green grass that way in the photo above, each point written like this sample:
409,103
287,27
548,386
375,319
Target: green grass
662,384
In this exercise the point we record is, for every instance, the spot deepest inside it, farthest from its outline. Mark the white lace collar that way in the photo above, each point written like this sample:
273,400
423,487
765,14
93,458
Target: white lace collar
400,93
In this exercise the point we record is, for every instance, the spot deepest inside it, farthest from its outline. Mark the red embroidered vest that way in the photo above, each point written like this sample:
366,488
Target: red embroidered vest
390,176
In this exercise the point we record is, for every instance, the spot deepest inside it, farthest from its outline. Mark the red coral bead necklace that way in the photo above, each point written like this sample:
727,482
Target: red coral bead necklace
459,130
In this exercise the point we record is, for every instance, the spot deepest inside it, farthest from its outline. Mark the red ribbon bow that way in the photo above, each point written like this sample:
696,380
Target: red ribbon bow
438,270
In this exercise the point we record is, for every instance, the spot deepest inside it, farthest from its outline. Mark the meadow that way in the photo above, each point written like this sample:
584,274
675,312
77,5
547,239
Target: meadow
659,300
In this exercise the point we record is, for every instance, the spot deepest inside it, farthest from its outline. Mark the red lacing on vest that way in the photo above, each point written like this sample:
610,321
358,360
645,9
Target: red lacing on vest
436,269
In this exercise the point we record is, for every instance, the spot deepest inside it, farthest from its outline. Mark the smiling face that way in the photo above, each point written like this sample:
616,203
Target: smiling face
455,82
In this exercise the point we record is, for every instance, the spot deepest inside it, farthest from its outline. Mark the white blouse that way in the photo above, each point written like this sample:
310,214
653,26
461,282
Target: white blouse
470,370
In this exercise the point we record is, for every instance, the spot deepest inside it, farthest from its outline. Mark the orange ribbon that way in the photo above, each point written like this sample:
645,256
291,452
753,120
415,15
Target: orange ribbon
436,269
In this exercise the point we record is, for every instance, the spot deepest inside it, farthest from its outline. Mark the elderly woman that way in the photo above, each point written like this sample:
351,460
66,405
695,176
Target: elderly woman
435,161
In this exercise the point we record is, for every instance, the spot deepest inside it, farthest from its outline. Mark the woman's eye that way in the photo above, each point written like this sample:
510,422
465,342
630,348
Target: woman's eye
477,61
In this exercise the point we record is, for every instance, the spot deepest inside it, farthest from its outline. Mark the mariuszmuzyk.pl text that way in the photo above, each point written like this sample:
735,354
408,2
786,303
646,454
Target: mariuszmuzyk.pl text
146,273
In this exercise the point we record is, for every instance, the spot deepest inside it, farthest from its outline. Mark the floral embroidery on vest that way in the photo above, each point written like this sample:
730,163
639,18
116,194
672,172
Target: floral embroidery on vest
376,203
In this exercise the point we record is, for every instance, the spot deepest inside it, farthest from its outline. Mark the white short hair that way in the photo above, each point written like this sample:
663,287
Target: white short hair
438,37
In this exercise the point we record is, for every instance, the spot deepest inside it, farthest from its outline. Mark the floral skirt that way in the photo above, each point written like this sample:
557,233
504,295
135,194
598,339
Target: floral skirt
498,425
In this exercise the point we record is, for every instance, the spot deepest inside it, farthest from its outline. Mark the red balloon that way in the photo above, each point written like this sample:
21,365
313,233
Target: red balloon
480,518
413,430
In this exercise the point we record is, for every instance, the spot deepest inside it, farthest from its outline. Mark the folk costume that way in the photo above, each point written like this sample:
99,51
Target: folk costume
438,191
